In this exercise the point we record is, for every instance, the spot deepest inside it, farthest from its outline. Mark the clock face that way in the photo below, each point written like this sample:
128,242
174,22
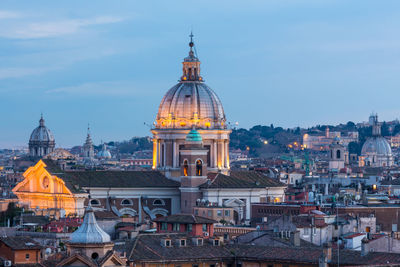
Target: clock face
45,182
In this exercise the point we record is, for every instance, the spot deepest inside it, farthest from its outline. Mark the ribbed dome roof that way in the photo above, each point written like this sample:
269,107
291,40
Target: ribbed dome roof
89,232
378,145
41,133
189,103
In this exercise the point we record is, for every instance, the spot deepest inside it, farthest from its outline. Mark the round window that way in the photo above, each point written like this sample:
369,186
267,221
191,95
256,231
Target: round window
45,182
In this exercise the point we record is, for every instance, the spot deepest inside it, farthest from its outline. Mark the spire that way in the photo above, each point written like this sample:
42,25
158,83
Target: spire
41,121
191,64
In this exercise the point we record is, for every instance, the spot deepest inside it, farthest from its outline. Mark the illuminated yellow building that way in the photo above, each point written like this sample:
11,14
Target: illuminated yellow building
190,104
43,192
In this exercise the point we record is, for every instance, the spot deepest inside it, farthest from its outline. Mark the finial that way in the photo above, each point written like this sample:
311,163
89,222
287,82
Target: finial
191,44
41,121
88,128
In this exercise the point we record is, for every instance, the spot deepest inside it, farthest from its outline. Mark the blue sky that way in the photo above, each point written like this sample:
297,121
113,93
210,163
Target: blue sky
109,63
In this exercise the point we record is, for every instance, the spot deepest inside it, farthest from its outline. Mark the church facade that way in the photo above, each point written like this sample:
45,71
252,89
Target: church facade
190,103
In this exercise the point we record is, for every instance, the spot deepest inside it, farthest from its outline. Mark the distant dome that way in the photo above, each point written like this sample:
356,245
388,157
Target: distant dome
104,153
41,133
194,136
376,145
41,141
89,232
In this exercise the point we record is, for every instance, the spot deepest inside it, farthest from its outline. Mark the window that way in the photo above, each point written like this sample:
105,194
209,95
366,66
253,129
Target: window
209,213
212,265
164,226
306,231
95,255
219,213
185,168
199,168
216,242
167,243
227,213
196,212
27,256
189,227
126,202
338,154
199,241
95,202
183,242
158,202
204,227
176,227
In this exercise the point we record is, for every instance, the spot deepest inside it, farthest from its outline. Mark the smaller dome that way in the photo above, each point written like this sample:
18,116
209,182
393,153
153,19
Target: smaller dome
41,133
194,136
89,232
376,145
104,153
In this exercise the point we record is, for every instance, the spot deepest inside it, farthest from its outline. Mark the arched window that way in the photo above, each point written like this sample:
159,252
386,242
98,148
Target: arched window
185,168
95,202
126,202
158,202
199,168
338,154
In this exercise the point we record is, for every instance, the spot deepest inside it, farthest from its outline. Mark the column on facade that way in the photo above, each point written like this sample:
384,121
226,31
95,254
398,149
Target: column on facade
226,152
159,153
155,153
173,154
215,157
221,159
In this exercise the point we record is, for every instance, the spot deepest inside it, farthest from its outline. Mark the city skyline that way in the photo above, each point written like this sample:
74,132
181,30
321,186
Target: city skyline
109,66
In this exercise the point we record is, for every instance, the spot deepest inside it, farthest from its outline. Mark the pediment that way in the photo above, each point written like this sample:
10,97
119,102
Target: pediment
39,180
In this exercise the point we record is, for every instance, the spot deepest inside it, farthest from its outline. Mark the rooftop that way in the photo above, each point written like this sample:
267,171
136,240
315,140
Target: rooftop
184,218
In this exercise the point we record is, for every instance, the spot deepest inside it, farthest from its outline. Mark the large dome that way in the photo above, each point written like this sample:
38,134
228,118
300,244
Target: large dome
376,145
190,103
41,133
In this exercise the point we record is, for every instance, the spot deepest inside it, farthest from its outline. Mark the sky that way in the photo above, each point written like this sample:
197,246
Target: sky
109,63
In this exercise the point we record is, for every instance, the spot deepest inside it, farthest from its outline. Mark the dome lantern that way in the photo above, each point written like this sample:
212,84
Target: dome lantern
191,65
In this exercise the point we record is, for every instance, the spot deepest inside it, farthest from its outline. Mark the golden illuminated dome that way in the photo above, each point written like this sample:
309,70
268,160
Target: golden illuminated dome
191,102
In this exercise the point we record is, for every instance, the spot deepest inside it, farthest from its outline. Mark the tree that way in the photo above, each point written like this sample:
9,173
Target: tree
354,148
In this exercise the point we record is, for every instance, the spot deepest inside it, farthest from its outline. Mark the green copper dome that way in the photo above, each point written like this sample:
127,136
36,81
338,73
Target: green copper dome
194,136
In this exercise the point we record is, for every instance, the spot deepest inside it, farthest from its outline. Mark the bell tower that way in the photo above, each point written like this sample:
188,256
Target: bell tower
193,170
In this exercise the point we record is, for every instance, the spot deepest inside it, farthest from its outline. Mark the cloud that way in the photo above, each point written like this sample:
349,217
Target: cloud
4,14
34,30
6,73
119,88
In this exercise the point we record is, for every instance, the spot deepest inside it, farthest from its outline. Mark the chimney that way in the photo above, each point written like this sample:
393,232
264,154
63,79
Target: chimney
295,239
328,251
364,247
